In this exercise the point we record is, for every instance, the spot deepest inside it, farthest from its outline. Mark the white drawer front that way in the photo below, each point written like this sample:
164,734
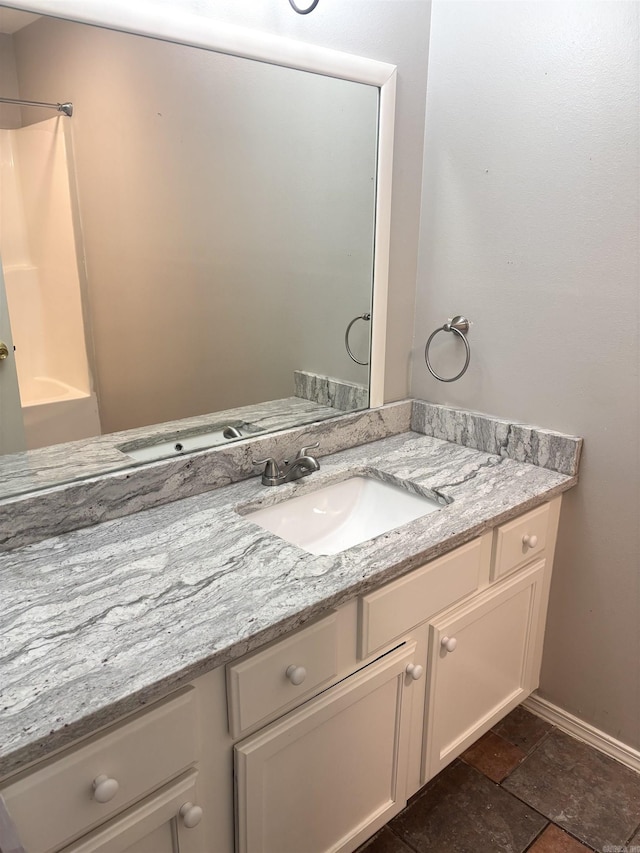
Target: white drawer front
282,675
519,541
153,826
389,612
56,804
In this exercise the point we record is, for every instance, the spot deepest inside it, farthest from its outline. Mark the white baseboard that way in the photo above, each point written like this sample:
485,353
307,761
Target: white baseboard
576,727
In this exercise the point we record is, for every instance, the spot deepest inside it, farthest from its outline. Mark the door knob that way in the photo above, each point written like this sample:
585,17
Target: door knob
4,351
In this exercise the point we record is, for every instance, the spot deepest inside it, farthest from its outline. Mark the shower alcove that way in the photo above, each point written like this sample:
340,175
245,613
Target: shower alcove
43,286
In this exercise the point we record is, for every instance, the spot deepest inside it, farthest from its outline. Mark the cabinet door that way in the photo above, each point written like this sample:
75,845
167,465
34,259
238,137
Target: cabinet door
153,826
61,791
482,663
331,772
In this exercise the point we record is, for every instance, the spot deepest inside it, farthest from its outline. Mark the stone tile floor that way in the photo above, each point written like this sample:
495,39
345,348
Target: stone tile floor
524,786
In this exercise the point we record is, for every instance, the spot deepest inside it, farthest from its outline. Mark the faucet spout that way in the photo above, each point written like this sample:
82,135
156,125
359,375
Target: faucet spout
303,465
300,467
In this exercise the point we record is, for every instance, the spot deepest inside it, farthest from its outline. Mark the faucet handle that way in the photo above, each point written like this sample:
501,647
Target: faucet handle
272,469
304,451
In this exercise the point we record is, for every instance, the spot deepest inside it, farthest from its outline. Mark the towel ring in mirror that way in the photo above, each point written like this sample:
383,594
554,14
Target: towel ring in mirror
459,326
303,11
366,317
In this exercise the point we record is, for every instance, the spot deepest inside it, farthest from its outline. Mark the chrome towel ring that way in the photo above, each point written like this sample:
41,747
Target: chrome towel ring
460,326
366,317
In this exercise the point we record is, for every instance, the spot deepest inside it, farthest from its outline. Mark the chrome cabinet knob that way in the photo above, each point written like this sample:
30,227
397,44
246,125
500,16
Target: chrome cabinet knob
296,674
104,788
4,351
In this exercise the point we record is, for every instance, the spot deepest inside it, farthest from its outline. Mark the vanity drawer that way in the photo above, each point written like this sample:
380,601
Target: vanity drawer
389,612
286,673
57,803
520,541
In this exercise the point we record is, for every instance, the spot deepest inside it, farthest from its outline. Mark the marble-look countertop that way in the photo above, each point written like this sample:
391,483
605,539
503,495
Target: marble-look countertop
97,622
32,470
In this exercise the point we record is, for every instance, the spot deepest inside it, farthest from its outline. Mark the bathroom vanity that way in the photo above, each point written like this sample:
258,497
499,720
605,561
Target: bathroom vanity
181,679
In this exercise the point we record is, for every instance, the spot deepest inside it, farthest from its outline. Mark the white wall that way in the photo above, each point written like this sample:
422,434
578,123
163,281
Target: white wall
530,226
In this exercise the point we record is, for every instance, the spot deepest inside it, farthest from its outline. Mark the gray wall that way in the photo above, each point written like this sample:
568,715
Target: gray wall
395,31
530,226
9,114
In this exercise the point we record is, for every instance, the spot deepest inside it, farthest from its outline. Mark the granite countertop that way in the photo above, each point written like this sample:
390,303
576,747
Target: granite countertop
30,470
97,622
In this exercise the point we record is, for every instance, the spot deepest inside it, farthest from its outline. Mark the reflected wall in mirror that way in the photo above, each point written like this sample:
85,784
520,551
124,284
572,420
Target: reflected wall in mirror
199,231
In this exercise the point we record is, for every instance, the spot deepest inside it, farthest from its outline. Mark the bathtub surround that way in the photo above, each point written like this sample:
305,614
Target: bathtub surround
43,283
195,569
60,414
328,391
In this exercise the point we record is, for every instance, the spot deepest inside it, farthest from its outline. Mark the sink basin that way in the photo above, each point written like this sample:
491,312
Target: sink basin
186,441
341,515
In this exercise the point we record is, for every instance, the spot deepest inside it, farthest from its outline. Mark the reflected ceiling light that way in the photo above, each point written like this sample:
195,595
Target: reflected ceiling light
304,11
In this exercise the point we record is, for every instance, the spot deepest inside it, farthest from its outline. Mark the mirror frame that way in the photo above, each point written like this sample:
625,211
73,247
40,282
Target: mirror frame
145,18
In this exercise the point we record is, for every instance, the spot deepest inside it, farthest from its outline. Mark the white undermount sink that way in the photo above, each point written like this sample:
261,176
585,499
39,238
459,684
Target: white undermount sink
343,514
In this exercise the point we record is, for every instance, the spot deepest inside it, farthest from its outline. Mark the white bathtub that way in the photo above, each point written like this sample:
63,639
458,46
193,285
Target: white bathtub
55,412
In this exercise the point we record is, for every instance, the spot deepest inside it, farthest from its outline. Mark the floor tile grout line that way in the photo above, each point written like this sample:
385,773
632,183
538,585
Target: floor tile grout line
563,829
532,748
536,746
630,838
549,821
544,829
404,840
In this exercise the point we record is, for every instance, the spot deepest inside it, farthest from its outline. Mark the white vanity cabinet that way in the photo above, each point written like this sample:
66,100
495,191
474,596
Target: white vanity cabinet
328,774
482,663
162,823
133,787
479,612
314,741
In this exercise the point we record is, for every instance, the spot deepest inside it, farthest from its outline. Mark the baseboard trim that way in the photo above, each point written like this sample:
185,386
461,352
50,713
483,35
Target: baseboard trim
576,727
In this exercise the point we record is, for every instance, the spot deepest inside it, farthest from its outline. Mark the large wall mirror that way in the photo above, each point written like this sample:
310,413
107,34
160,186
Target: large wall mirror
198,253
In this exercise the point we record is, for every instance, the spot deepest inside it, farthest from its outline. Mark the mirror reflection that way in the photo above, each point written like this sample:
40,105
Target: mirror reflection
196,239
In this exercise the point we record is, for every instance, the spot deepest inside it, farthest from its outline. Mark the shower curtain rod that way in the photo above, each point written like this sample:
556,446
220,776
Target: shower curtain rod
67,108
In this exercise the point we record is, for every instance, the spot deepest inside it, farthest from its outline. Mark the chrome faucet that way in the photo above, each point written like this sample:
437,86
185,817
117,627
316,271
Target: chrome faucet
303,465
